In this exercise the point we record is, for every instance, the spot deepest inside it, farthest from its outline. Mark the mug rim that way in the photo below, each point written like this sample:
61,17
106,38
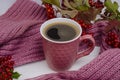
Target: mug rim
55,19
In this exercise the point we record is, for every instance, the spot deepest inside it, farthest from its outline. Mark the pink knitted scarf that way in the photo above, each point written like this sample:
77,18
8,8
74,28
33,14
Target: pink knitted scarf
20,37
104,67
19,32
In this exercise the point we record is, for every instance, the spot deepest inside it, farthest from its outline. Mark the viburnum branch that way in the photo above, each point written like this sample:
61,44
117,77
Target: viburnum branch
72,8
7,69
111,11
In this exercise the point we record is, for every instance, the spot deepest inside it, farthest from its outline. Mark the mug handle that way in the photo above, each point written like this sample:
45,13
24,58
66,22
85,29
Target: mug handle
89,49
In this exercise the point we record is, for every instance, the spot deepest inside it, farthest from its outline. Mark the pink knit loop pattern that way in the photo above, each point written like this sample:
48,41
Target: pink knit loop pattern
100,35
19,32
104,67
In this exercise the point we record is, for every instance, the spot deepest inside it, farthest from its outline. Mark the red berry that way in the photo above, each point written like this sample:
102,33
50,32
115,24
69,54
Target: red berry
6,68
112,39
83,33
50,11
84,26
97,4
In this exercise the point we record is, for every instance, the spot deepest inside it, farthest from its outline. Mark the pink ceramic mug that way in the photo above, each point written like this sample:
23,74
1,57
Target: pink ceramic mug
61,55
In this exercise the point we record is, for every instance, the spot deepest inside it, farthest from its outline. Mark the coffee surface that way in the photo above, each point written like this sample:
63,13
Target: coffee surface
61,32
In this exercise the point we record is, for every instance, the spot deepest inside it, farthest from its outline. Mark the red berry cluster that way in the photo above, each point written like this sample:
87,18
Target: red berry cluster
112,40
84,26
97,4
50,11
6,68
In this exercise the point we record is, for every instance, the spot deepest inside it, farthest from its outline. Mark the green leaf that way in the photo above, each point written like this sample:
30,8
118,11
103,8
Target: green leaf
87,3
15,75
80,5
116,6
112,17
78,2
113,7
73,4
82,8
108,4
67,4
54,2
70,13
118,17
82,2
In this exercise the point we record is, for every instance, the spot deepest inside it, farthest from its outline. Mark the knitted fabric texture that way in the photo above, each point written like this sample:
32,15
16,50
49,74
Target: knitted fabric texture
100,35
19,32
98,29
104,67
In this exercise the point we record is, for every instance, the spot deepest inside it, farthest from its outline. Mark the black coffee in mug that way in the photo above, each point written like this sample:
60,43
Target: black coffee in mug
61,31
